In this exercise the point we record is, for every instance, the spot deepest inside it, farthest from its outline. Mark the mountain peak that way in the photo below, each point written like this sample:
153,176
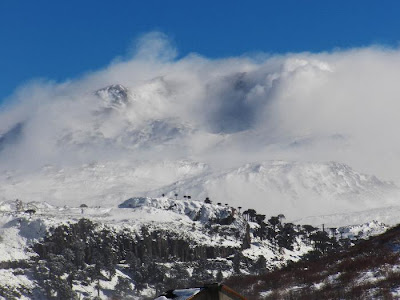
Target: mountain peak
115,95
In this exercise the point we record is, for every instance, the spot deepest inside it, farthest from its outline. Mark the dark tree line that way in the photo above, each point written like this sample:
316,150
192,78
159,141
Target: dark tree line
87,253
284,235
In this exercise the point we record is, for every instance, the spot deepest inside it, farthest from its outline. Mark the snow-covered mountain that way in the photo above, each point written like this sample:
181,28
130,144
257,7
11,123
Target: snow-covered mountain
114,96
294,134
297,189
105,145
95,183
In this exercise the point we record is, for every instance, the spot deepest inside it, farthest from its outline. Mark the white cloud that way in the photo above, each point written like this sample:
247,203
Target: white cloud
341,106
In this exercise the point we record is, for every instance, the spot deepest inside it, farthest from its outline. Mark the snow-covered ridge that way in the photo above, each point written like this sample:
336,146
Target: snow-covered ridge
389,215
184,217
195,223
364,231
96,183
297,189
195,210
10,206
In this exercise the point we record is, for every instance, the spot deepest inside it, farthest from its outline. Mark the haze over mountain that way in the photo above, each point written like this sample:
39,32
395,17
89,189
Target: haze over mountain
209,117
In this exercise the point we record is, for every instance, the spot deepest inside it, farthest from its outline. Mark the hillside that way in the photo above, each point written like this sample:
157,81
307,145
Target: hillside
298,189
295,189
389,215
96,183
145,246
368,270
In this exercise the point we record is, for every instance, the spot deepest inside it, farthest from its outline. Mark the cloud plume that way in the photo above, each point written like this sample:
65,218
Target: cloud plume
332,106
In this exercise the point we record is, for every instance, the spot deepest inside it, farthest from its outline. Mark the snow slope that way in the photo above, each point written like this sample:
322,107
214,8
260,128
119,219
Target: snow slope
389,215
185,217
96,183
296,189
188,220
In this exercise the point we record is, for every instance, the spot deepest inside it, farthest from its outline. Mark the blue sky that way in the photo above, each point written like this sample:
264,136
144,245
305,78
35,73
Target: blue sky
58,40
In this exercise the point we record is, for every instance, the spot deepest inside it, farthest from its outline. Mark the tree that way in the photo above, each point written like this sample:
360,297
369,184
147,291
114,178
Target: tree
56,265
70,267
236,262
309,229
252,214
274,221
78,248
259,218
49,274
98,261
246,238
260,265
286,236
262,231
123,288
322,242
109,260
178,275
220,276
63,290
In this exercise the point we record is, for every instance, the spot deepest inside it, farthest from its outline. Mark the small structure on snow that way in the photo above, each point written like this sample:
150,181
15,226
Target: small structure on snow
213,291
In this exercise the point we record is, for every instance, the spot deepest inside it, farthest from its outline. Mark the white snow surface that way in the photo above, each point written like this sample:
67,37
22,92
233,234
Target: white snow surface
183,217
296,189
94,183
388,215
19,230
